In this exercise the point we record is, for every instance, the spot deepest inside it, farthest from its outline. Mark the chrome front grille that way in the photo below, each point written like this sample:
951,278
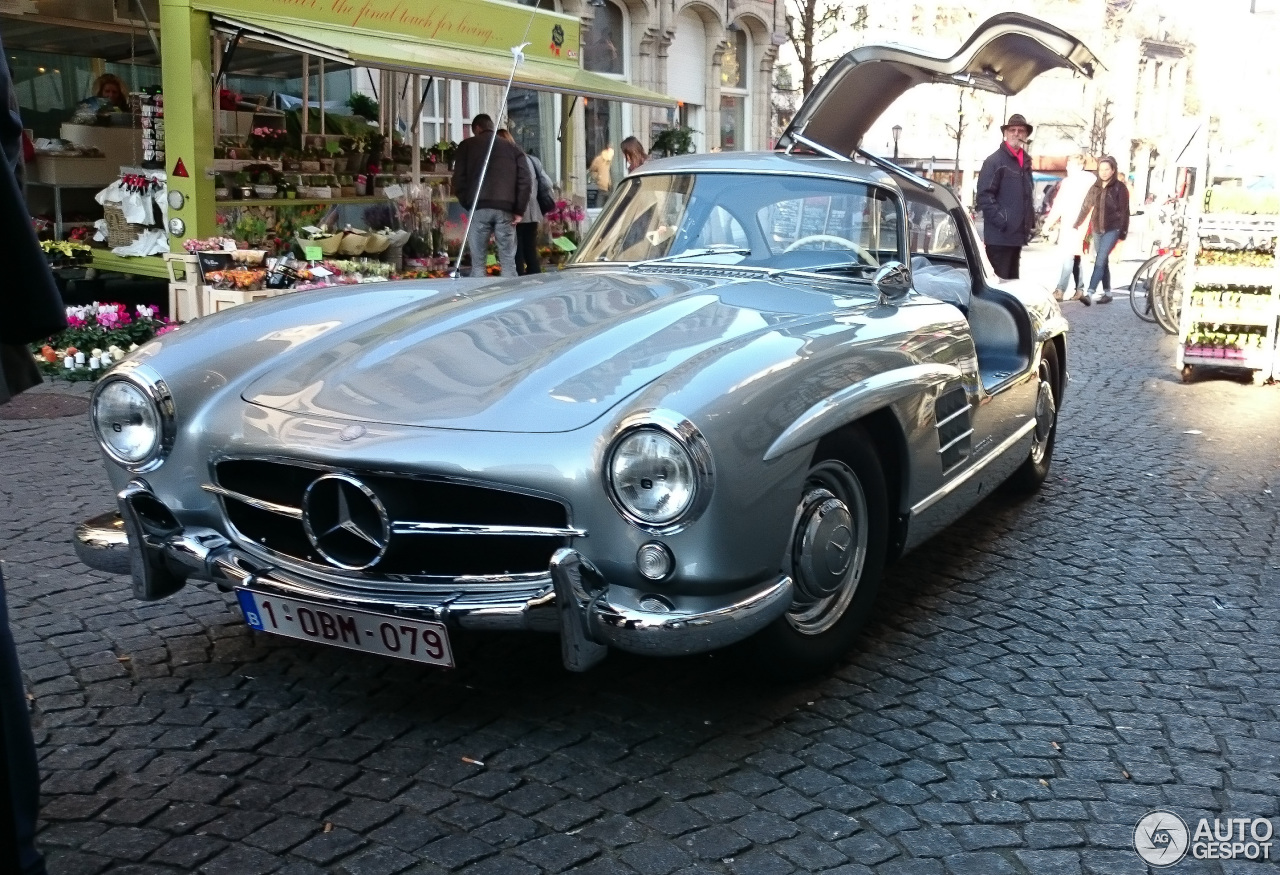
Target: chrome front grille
436,528
955,432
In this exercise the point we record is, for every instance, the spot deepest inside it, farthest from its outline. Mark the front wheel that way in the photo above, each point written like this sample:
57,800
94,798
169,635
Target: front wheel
835,558
1035,469
1140,288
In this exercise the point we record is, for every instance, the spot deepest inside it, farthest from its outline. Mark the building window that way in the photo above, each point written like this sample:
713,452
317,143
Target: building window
735,64
603,49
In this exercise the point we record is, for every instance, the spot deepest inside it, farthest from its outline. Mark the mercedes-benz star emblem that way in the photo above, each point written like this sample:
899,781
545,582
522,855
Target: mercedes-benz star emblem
345,522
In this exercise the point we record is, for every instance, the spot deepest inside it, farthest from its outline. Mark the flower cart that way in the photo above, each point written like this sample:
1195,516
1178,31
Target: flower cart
1231,292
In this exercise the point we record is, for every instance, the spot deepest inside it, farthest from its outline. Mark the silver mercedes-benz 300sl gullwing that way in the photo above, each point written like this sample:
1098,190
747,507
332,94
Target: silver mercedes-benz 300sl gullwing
763,377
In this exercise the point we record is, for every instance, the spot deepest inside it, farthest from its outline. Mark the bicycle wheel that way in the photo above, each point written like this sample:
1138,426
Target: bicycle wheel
1167,297
1140,288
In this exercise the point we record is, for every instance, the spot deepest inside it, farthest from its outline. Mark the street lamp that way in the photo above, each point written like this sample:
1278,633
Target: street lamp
897,132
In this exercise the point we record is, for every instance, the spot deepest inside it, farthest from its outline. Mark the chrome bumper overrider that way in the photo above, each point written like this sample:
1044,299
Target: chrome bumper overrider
145,540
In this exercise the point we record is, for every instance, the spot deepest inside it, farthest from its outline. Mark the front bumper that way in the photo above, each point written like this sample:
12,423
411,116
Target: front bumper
145,540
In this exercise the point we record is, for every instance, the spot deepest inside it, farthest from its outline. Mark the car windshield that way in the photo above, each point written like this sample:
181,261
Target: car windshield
786,222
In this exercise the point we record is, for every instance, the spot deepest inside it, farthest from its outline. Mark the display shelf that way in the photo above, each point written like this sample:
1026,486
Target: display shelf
1233,275
138,265
299,201
1232,316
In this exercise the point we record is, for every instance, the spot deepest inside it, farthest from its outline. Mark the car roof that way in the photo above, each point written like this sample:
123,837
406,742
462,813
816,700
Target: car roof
768,162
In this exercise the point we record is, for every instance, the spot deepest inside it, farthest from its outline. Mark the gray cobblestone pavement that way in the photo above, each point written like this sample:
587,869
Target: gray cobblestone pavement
1034,681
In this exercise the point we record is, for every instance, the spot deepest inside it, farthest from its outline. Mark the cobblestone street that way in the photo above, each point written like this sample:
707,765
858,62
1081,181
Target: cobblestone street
1034,681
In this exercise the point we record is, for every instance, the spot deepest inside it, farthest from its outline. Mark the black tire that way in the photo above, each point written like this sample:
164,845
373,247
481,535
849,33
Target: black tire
1032,473
1140,289
845,477
1167,296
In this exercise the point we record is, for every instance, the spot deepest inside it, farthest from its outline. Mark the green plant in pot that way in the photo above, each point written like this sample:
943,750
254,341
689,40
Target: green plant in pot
673,141
265,186
244,184
220,190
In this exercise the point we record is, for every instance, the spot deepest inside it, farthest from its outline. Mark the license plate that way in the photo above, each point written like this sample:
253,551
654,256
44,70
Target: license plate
417,640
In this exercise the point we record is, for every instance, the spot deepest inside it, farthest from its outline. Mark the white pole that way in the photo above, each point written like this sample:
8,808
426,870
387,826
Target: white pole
306,97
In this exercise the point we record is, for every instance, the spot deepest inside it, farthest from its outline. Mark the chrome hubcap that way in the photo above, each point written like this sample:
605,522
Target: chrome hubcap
828,548
1046,415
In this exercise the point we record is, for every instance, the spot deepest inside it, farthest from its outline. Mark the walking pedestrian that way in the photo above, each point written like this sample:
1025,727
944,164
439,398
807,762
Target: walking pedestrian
33,310
1005,187
1063,212
499,206
527,260
1107,201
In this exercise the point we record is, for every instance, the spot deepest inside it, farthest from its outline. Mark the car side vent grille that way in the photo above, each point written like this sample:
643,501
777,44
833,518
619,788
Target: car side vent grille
433,528
955,432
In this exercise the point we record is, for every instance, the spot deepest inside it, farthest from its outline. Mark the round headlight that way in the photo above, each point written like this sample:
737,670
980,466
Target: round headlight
652,476
127,422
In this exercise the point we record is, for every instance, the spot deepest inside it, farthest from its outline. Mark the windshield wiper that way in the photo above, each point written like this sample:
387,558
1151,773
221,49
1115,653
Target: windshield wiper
694,253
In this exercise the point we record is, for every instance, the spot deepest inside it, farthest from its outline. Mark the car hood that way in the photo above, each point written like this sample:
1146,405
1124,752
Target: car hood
1003,55
544,354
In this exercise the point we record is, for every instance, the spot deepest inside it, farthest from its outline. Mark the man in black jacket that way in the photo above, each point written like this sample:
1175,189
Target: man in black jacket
32,310
498,206
1004,197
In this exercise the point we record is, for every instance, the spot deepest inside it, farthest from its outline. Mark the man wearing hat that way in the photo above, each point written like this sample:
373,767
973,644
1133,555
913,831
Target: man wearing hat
1004,196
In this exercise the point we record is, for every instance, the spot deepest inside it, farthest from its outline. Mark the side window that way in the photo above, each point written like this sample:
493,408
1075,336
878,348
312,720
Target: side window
933,231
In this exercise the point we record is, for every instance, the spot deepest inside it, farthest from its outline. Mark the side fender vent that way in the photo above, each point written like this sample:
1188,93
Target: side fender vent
955,432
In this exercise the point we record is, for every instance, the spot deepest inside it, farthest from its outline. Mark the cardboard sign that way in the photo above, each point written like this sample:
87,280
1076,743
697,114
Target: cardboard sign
312,253
564,244
394,191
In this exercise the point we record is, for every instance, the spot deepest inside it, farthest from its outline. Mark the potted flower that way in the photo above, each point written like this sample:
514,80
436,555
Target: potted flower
310,161
267,142
287,189
291,161
266,186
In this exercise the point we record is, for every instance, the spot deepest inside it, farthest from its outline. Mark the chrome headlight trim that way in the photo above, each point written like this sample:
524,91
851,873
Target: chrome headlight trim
153,387
690,440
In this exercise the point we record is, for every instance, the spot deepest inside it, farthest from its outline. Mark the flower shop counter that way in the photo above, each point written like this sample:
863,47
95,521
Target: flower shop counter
148,265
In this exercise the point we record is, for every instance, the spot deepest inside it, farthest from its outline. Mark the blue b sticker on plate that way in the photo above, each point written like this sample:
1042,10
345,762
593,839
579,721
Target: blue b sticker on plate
250,609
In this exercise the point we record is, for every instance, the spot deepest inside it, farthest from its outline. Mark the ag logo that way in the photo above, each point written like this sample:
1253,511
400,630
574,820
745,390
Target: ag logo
557,39
1160,838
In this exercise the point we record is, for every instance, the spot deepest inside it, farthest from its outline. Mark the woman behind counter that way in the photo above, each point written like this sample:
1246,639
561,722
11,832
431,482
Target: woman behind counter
110,92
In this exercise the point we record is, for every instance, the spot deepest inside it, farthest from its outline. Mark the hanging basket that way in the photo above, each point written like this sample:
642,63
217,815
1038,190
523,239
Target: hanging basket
119,232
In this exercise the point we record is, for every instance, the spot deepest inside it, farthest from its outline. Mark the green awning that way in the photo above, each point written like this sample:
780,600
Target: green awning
362,49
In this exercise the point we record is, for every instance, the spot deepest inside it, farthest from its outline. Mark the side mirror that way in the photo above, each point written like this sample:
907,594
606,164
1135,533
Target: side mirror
893,282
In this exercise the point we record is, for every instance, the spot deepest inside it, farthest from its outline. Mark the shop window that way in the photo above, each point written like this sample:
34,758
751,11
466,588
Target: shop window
603,123
531,118
604,44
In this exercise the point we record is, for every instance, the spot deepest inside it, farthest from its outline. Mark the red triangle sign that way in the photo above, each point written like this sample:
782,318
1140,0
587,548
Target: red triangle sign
180,169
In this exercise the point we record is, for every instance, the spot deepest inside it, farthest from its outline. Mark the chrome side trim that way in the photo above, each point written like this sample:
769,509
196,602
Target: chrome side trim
928,502
259,503
407,528
856,401
964,435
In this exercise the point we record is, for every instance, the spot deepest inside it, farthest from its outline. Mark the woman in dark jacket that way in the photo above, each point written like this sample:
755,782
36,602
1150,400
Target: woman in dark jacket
1108,201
